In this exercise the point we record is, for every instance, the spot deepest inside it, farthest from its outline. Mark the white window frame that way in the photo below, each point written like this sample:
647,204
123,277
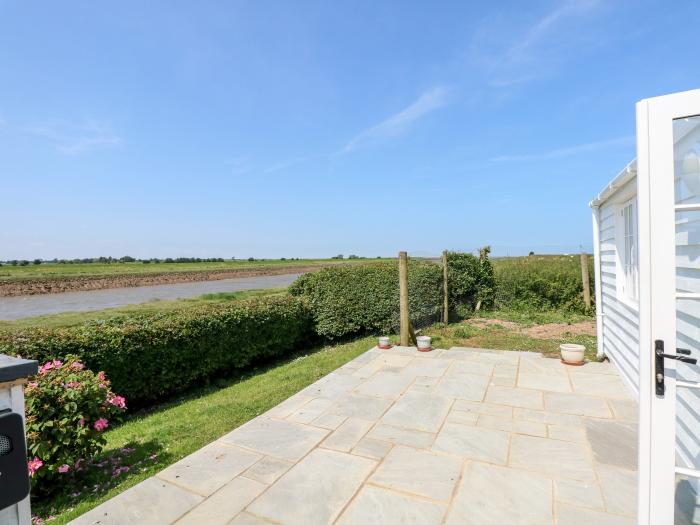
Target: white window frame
626,243
629,257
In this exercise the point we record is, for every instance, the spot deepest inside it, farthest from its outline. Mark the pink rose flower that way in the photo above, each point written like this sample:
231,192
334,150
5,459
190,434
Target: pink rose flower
34,465
63,468
77,365
101,424
81,422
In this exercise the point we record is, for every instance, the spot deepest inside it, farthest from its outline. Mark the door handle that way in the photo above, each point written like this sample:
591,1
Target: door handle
659,356
688,360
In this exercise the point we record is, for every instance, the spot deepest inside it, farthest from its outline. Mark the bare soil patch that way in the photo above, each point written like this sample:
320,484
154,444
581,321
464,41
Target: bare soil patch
555,330
74,284
541,331
484,323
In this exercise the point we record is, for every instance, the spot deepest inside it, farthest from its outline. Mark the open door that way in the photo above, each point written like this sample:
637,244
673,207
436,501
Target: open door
668,171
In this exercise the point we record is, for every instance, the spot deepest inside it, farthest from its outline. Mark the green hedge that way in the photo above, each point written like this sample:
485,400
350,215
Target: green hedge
356,299
541,282
149,356
471,281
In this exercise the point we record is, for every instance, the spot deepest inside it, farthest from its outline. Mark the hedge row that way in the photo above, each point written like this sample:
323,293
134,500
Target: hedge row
149,356
354,299
541,282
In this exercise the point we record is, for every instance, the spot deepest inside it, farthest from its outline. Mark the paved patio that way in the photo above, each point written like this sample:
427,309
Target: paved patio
396,436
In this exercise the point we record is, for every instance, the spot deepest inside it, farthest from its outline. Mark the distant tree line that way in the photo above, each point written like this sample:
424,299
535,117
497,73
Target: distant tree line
129,259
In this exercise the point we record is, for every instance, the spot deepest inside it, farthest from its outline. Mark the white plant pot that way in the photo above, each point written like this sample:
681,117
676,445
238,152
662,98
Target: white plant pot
423,342
572,353
384,342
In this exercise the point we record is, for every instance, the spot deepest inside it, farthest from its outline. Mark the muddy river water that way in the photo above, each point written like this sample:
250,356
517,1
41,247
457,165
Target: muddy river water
33,305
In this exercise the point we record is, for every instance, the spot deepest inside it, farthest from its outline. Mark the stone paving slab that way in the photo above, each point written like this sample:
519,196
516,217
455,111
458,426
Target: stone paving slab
491,495
151,502
282,439
419,472
377,506
315,490
226,502
465,435
209,468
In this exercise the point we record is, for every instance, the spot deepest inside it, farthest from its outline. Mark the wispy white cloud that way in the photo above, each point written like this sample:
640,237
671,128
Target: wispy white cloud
239,165
530,52
75,138
568,151
425,104
280,166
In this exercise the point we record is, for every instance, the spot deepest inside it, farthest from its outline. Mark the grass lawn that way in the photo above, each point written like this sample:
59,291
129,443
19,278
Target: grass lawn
50,271
149,441
151,307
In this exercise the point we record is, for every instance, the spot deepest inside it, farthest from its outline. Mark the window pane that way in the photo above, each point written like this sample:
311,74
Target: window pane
687,510
688,251
686,158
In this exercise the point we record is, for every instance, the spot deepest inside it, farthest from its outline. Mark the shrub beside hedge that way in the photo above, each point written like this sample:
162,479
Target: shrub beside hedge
541,282
355,299
471,281
68,408
152,355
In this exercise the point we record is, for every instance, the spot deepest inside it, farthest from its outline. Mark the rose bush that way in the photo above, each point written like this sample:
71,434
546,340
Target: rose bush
68,407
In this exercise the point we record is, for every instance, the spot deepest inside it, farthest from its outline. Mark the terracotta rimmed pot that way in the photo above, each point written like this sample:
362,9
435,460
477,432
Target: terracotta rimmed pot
384,343
424,343
572,354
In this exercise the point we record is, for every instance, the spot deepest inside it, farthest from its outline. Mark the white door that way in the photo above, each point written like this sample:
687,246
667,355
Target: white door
668,164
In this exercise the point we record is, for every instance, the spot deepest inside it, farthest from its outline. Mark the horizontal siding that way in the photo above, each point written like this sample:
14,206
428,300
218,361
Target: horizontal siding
620,320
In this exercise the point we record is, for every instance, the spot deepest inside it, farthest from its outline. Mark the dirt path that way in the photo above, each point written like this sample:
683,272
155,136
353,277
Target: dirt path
541,331
82,284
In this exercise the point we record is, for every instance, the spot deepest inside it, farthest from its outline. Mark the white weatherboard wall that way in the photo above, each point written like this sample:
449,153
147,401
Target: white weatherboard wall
619,317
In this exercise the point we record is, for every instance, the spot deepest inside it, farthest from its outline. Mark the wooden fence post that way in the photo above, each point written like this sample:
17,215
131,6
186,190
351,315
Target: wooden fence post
403,299
585,280
445,290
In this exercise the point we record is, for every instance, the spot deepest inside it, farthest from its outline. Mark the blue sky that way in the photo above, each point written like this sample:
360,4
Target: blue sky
292,129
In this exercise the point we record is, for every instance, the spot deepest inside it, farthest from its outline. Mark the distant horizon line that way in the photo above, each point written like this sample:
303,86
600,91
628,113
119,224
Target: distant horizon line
125,259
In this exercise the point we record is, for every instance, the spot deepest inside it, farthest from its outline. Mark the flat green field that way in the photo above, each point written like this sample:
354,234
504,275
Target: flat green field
50,271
